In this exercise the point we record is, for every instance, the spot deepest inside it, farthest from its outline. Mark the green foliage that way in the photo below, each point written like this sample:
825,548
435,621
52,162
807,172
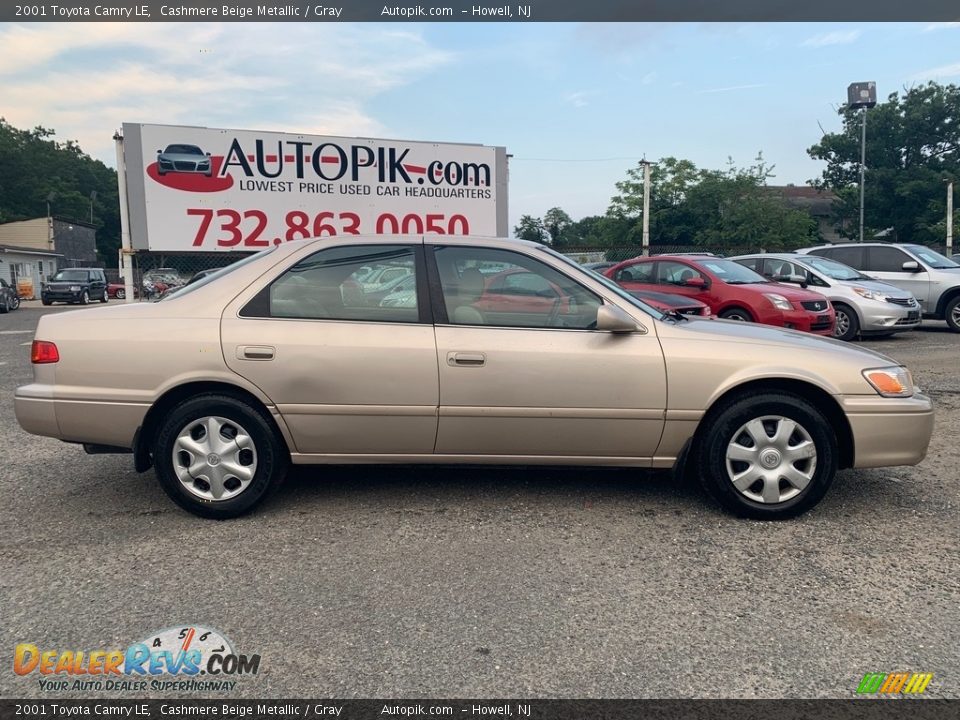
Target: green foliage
33,165
532,229
912,147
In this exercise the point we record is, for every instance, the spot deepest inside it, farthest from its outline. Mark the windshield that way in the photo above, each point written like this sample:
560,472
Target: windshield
206,280
833,269
932,258
184,150
70,276
608,283
732,273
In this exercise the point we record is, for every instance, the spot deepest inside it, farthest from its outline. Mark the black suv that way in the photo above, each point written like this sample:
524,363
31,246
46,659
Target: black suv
9,300
75,285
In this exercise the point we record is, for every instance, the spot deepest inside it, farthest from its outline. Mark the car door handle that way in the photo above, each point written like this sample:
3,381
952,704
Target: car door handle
466,359
255,352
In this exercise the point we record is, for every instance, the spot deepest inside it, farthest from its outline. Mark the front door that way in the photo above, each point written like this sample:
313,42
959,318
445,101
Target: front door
886,263
349,362
524,372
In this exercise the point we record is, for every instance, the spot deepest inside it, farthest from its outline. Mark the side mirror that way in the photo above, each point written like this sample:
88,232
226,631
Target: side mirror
612,319
208,154
912,266
801,280
695,282
159,152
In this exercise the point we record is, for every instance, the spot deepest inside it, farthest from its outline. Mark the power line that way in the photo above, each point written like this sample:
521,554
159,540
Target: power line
577,160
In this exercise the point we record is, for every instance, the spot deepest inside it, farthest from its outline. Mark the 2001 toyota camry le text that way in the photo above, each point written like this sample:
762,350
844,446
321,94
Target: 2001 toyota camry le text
488,351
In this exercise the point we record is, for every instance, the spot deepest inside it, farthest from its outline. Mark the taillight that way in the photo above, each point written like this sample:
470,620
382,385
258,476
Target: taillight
43,351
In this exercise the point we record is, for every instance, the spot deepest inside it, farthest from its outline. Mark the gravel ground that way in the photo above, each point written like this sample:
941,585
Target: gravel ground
493,582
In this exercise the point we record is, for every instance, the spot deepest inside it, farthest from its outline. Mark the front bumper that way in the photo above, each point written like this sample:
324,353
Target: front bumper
61,295
818,323
888,318
889,431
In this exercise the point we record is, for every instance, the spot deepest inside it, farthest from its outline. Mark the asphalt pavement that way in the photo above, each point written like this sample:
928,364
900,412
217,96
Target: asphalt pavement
492,582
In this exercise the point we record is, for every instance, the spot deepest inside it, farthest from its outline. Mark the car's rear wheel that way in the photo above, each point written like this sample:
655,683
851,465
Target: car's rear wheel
848,324
738,314
218,457
121,294
768,456
953,314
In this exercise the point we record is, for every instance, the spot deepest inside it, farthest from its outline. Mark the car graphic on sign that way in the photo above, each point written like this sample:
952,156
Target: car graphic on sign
183,158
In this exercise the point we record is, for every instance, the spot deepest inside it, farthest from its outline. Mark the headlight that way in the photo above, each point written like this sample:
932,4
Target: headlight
890,381
863,292
74,288
778,301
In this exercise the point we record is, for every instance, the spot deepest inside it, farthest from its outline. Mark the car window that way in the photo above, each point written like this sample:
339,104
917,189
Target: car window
774,267
886,259
641,272
731,272
834,269
670,272
752,263
852,256
501,288
932,258
70,276
328,285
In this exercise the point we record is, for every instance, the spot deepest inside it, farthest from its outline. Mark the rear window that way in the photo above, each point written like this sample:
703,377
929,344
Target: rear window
852,256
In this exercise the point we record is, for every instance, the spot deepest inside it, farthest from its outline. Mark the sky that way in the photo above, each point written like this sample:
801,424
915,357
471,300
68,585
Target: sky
575,104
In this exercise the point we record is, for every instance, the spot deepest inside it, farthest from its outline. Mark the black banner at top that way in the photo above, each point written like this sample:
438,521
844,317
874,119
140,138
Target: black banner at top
482,11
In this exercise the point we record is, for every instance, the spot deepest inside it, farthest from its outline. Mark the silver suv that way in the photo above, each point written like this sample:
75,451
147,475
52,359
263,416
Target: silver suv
932,278
863,306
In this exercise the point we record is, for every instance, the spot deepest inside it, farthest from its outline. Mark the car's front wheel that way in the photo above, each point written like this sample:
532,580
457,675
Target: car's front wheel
953,314
218,457
768,456
848,324
15,302
738,314
85,298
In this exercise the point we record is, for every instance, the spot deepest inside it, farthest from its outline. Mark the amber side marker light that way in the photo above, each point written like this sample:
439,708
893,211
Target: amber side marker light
42,352
890,382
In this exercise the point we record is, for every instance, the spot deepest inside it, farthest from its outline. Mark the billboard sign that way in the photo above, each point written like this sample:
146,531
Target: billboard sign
206,189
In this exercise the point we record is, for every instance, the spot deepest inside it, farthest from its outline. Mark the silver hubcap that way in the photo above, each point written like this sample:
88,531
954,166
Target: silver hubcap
956,314
214,458
771,459
843,324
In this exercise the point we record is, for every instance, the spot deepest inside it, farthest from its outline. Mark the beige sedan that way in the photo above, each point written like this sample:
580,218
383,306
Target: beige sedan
483,351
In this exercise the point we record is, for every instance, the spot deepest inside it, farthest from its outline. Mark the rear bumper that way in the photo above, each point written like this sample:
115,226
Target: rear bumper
82,421
889,431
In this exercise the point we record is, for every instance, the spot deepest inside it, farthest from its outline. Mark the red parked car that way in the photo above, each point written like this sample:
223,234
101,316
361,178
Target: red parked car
732,291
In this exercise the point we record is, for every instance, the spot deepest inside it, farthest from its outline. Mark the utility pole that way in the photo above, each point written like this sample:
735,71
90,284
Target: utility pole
126,252
950,217
646,206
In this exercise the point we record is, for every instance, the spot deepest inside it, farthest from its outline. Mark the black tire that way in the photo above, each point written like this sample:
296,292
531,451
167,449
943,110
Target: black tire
272,457
738,314
723,425
4,308
15,303
46,302
85,298
850,321
121,294
952,314
104,297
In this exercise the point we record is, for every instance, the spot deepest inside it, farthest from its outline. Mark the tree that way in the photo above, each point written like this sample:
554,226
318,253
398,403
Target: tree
912,147
557,224
531,228
33,165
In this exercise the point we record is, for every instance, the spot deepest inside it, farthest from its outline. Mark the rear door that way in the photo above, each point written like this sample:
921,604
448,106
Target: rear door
350,371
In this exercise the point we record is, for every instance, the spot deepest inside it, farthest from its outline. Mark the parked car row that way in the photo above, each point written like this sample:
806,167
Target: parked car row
845,290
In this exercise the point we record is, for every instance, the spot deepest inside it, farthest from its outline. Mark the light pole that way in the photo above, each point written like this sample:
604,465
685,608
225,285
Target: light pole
862,95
